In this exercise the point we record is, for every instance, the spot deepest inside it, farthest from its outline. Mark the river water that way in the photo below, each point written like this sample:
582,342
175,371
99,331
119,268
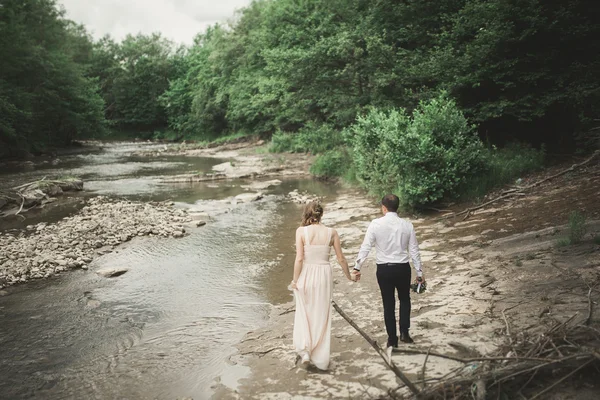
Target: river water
167,328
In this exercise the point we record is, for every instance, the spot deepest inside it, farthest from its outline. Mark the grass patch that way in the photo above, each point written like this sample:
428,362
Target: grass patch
576,227
167,134
234,137
261,150
577,230
202,144
503,166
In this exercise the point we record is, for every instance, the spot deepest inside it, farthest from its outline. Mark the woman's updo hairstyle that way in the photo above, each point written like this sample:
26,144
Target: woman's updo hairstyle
313,212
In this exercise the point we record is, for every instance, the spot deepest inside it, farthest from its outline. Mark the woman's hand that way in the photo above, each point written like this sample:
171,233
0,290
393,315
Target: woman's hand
293,286
355,275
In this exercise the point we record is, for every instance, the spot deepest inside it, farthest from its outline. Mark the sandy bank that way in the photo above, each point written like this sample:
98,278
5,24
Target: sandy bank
502,257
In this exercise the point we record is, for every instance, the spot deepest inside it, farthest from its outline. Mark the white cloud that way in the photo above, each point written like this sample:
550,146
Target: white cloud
178,20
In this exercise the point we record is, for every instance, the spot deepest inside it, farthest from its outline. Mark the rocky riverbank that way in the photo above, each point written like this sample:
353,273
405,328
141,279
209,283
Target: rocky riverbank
43,250
246,160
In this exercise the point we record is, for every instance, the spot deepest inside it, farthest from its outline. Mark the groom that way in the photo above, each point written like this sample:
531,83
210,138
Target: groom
396,243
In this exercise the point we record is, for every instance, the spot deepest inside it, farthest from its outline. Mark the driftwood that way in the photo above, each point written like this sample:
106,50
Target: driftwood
21,198
553,357
519,191
562,350
388,360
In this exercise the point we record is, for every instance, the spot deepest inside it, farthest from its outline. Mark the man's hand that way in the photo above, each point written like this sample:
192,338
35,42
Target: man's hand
420,279
355,275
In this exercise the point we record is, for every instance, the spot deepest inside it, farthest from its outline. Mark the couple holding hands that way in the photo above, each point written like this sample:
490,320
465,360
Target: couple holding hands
396,244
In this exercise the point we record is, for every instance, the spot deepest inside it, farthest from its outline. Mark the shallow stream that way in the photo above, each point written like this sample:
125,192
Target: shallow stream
166,328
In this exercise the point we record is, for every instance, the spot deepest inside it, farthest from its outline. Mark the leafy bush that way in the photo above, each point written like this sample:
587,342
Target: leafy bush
420,157
332,164
312,138
283,141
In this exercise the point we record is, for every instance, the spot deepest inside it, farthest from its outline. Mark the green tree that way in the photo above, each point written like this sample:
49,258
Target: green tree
134,74
47,97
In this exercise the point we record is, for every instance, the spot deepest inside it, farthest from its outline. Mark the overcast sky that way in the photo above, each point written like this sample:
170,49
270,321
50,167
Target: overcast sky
178,20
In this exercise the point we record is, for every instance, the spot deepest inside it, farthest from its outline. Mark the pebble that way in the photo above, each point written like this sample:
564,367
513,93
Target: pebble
43,250
301,198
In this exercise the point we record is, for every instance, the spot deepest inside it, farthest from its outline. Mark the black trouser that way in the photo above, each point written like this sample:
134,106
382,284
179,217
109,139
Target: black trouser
392,277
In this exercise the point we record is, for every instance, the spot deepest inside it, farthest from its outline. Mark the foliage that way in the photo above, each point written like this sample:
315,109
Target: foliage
303,70
502,166
284,64
133,75
577,228
422,157
332,164
312,138
47,97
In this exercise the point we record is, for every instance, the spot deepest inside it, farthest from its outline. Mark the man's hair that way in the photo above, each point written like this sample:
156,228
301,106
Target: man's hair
391,202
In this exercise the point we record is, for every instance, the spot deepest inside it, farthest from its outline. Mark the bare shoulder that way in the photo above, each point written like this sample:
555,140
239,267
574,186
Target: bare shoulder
299,230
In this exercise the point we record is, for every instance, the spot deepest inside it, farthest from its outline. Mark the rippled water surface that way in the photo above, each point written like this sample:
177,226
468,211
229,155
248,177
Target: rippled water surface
167,327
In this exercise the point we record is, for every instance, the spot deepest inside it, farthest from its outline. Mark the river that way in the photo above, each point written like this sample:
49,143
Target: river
168,327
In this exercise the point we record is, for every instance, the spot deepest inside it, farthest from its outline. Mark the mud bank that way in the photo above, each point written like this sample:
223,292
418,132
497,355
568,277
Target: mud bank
505,257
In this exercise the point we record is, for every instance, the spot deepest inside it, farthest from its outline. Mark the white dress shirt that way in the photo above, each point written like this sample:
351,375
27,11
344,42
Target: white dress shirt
395,242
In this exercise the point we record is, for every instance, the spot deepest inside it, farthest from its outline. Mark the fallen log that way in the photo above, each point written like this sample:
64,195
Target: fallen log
21,198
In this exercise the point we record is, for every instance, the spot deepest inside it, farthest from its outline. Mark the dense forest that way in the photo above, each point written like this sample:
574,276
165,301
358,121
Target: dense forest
367,82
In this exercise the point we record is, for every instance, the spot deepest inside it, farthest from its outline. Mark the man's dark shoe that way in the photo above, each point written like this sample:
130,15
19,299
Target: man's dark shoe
405,338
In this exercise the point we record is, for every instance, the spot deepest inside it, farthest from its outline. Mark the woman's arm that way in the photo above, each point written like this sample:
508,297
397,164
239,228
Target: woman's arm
337,246
299,256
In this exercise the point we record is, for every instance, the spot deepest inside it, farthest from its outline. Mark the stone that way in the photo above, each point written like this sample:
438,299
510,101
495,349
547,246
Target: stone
111,272
248,197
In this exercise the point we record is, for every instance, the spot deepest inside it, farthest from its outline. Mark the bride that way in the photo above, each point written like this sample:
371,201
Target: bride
313,286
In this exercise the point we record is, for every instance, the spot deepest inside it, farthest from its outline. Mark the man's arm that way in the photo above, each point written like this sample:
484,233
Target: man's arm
366,247
413,250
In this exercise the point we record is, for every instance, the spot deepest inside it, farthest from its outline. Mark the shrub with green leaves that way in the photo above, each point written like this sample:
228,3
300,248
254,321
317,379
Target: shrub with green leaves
332,164
422,157
312,138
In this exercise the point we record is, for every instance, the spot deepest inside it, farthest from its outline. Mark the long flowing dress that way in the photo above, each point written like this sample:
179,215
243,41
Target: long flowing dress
312,323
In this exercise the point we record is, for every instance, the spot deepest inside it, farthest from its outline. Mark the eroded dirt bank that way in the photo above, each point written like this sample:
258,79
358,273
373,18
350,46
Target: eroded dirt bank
503,257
